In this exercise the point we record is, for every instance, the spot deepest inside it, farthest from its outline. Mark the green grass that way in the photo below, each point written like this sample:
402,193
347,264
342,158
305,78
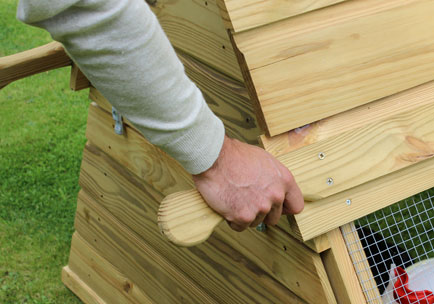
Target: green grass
42,126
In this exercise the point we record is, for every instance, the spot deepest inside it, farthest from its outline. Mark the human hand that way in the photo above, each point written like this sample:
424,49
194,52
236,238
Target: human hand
247,186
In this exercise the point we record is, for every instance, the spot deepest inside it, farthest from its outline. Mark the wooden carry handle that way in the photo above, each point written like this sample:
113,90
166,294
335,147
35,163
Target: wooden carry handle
44,58
186,219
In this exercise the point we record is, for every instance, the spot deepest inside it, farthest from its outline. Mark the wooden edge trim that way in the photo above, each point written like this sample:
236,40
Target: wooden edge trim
360,263
332,212
250,86
340,270
79,288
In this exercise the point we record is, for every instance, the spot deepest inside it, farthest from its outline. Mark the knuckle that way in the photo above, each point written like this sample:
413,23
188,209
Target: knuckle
276,196
264,208
244,218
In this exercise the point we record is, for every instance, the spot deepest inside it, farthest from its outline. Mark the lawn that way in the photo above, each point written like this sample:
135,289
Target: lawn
42,129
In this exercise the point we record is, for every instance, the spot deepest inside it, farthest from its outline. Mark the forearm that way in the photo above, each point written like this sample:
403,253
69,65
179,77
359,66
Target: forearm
121,48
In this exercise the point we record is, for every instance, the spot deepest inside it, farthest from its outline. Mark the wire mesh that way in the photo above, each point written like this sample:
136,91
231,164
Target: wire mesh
393,251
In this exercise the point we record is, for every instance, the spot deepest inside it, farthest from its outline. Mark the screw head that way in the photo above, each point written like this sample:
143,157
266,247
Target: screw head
321,155
261,227
329,181
348,201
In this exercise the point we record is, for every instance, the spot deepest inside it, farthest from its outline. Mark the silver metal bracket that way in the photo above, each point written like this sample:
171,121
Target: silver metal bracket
119,126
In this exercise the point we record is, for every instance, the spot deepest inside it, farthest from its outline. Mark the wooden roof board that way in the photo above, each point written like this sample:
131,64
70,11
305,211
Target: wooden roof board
241,15
319,64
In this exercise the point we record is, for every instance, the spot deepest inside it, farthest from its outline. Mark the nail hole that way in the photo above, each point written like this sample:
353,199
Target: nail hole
284,247
223,47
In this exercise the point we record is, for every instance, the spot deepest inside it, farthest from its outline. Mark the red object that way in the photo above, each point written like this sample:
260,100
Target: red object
403,295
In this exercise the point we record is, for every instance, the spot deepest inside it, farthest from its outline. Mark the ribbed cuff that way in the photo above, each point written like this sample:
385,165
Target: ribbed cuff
198,148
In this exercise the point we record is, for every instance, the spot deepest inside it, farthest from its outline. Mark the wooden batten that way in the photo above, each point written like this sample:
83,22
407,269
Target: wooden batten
78,81
316,65
241,15
324,215
361,265
196,28
341,271
110,186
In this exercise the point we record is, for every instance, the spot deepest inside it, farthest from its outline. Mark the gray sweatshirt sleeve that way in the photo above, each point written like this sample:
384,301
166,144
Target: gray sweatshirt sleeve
120,46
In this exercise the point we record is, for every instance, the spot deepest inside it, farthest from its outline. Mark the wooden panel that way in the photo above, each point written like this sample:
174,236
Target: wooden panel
324,215
241,15
318,64
78,81
137,154
102,277
44,58
349,120
195,27
341,271
111,186
360,263
227,98
79,288
161,280
127,250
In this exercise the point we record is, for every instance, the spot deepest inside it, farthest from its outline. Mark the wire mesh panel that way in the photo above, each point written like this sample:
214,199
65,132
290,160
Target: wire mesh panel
393,251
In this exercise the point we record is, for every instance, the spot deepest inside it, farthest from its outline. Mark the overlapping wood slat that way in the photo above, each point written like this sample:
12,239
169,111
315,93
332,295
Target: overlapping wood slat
315,65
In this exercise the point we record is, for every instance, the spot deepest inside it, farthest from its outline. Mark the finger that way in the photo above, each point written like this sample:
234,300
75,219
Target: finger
294,202
273,216
259,219
238,227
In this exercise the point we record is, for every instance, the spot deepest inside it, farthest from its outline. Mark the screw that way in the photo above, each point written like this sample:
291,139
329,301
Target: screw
261,227
321,155
329,181
348,202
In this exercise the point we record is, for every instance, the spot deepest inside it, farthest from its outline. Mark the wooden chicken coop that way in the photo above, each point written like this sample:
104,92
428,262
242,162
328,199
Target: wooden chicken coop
341,92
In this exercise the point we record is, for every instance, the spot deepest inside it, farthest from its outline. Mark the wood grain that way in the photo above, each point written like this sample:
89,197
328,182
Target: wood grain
226,259
363,154
126,250
324,215
153,273
186,219
316,65
360,263
349,120
44,58
103,278
196,28
227,98
241,15
341,271
136,153
78,81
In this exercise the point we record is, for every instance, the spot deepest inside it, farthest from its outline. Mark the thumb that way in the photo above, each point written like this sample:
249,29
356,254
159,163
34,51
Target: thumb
294,202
